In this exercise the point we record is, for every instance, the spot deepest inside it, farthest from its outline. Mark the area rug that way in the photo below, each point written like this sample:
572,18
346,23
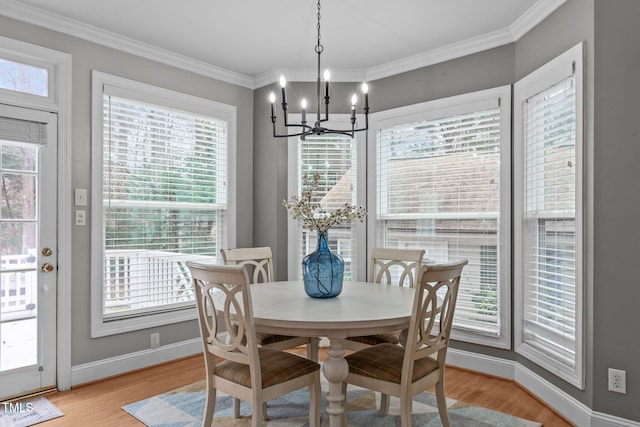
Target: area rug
27,412
183,408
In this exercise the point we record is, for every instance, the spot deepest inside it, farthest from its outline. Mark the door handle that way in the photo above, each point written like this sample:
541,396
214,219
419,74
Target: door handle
47,267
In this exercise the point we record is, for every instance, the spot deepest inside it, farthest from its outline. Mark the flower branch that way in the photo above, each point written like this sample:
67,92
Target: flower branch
313,216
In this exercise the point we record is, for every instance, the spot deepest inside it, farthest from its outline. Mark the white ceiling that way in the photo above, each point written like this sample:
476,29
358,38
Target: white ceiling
260,38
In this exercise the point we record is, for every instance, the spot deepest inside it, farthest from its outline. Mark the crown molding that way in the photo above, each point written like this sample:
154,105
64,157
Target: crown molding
532,17
442,54
32,15
51,21
307,75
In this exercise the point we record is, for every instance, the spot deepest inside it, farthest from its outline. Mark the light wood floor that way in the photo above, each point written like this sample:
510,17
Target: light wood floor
99,403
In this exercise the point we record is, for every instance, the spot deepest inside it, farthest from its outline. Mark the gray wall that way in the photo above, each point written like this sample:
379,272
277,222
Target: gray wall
88,56
612,136
616,292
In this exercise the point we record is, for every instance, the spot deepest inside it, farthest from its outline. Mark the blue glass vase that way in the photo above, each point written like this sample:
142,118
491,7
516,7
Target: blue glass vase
323,270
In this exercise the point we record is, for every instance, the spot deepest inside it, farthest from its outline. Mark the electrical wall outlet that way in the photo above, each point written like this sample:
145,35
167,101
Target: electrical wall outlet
618,381
155,340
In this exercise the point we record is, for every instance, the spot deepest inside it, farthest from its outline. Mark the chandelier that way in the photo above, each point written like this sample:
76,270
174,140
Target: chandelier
304,128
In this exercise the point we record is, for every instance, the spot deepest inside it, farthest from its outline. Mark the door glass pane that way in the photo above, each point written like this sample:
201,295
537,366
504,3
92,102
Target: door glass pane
18,312
24,78
19,157
19,162
18,260
19,345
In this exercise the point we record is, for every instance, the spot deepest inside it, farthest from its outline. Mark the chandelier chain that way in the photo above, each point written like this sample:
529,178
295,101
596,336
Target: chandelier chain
319,47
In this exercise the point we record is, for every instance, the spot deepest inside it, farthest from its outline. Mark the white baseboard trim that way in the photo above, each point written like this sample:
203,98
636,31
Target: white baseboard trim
104,368
570,408
598,419
566,405
481,363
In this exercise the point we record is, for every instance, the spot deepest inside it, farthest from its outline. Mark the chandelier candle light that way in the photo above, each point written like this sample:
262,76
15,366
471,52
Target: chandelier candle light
303,127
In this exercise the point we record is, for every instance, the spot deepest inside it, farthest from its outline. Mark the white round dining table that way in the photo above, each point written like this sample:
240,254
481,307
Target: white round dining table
361,309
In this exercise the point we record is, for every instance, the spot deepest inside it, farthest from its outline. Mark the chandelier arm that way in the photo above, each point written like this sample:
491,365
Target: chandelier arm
307,130
349,132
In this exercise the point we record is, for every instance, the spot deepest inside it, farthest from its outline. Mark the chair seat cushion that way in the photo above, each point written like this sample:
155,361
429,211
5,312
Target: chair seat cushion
384,362
376,339
263,338
277,367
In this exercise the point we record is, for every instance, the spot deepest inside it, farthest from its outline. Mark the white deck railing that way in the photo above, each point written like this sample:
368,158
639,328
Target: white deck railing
137,279
18,288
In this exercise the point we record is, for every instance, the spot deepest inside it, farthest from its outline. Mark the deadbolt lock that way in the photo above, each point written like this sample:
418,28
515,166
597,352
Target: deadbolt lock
47,252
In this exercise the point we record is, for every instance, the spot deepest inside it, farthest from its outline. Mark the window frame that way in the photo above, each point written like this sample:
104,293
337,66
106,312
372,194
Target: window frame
164,98
439,108
35,57
294,227
553,72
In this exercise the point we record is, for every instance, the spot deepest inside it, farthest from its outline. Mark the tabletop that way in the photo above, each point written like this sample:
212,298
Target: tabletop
360,307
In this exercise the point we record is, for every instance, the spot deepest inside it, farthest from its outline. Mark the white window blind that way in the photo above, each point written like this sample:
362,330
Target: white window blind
549,244
439,187
548,211
23,131
334,158
165,200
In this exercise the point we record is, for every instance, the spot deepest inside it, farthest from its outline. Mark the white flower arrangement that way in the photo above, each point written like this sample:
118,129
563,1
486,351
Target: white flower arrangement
313,216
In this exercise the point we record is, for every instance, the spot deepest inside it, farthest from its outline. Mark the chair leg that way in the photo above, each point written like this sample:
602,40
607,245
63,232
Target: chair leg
236,407
405,410
384,405
209,407
258,415
264,411
313,349
315,393
442,404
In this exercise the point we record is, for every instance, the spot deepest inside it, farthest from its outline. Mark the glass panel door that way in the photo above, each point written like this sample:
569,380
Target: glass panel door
28,250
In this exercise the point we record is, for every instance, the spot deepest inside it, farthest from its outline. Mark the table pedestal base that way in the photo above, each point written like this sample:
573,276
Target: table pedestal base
335,370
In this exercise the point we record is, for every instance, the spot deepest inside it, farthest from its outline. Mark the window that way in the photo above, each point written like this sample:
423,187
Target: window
161,197
29,75
548,212
335,158
24,78
442,183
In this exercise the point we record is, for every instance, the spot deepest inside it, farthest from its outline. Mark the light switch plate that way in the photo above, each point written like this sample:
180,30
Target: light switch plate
81,217
81,197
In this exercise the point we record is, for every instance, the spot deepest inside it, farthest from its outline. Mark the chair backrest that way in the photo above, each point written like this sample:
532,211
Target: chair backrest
433,310
395,266
225,291
258,262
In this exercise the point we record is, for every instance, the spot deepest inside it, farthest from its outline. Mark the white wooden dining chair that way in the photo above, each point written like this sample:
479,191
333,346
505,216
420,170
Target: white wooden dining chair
389,266
259,265
248,372
405,371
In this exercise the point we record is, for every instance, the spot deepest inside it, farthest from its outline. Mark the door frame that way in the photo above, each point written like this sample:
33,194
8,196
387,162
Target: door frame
59,101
